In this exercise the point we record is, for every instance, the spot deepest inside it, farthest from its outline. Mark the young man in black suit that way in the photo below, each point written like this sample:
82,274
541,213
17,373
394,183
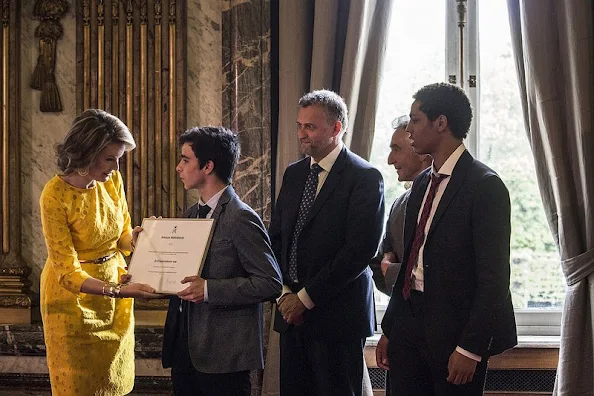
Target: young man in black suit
325,229
451,306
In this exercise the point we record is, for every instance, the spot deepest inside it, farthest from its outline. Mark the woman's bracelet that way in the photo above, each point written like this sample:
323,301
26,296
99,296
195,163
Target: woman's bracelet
112,290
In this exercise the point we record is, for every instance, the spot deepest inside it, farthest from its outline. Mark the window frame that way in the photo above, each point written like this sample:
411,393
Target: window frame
529,321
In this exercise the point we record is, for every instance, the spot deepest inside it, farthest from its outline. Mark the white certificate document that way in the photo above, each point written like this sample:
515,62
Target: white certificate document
168,250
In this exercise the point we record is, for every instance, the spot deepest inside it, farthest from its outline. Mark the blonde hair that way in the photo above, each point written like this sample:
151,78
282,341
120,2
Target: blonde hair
91,132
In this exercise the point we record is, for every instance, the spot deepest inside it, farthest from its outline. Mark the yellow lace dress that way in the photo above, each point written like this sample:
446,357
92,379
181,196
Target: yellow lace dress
89,339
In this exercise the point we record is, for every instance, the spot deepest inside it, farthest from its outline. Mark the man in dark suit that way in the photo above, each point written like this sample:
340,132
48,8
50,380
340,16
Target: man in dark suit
408,164
325,229
451,307
213,332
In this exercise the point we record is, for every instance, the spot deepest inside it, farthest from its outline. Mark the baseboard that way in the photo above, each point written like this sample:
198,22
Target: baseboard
150,318
143,385
15,315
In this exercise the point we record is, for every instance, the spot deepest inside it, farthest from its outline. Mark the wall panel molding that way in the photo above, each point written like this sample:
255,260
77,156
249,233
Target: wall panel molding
131,62
15,301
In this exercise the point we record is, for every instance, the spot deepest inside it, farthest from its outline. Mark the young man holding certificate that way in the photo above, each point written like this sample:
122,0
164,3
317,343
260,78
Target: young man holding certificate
213,332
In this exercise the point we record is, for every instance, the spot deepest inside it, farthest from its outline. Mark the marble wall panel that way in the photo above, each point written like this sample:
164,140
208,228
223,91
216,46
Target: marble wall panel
41,131
246,108
204,62
204,105
246,96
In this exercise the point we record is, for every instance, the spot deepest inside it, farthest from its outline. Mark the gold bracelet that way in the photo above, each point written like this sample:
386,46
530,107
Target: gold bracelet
113,290
117,290
103,289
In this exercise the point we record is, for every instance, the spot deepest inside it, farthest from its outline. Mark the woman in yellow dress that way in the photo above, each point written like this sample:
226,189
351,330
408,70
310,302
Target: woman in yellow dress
87,316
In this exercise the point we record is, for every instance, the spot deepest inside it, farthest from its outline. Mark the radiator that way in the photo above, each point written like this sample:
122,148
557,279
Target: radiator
537,381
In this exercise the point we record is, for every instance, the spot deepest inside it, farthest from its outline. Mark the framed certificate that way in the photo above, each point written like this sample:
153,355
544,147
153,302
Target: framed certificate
168,250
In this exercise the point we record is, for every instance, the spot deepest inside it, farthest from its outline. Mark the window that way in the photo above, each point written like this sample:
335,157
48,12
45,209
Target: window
419,53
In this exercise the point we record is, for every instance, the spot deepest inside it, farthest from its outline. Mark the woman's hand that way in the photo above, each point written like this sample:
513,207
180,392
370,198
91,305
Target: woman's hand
137,230
138,290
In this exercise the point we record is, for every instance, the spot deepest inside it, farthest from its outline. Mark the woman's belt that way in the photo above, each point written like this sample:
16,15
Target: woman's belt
99,260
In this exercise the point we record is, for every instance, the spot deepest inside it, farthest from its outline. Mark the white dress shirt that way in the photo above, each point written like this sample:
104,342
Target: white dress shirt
446,169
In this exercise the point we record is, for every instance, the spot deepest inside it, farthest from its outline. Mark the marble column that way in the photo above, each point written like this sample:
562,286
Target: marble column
246,108
246,96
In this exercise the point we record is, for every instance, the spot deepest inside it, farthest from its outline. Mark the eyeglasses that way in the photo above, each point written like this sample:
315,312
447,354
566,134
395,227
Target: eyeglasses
400,121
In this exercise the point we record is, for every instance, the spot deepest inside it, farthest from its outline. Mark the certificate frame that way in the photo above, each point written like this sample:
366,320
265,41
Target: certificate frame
167,250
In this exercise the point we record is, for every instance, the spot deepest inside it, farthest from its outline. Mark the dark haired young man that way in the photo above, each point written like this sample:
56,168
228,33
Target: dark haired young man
213,332
451,306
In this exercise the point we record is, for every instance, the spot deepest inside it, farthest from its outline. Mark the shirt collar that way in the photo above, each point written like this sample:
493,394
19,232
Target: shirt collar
328,161
448,166
214,200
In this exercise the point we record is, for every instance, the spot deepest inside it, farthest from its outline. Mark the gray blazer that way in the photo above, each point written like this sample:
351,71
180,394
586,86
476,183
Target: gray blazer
393,241
225,333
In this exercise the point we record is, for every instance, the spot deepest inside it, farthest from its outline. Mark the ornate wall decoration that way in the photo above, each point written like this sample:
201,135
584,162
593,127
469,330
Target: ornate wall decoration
131,63
15,297
15,301
48,32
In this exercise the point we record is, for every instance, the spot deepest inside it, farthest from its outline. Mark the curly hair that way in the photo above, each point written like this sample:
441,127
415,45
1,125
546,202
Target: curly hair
91,132
448,100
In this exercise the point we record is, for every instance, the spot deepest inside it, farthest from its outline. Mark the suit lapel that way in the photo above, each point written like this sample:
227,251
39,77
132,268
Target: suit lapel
330,184
456,181
223,200
191,212
216,214
414,205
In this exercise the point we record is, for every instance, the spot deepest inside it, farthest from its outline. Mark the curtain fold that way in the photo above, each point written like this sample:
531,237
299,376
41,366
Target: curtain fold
554,50
330,44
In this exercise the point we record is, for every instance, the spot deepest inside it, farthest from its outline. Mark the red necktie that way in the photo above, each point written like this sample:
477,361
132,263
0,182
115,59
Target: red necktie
420,233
